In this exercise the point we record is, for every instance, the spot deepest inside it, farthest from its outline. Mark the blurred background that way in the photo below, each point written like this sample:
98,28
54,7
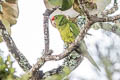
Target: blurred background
103,46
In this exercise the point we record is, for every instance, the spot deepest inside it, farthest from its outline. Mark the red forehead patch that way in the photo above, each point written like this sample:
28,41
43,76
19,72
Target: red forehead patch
53,18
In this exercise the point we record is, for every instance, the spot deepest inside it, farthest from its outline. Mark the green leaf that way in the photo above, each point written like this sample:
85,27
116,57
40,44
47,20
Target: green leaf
11,70
55,2
8,58
2,67
6,69
1,40
66,4
1,60
66,70
54,77
63,4
10,12
25,76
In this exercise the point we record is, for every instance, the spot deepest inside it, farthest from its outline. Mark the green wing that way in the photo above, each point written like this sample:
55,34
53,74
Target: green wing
60,20
74,29
67,29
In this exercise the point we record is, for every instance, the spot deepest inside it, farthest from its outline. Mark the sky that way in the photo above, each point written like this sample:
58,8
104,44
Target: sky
29,38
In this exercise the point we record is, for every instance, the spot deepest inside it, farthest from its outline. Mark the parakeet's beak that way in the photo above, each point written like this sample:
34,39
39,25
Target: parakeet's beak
53,21
53,18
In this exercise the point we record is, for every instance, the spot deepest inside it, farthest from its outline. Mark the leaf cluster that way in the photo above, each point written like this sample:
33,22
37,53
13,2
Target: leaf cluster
6,69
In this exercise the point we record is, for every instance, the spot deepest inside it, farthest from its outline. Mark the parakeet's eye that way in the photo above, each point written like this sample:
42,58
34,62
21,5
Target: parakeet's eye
55,17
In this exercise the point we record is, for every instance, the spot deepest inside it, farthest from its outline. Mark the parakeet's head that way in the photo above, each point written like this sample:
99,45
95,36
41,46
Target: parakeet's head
58,20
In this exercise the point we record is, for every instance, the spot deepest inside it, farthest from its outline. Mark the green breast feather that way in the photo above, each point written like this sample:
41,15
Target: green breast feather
68,30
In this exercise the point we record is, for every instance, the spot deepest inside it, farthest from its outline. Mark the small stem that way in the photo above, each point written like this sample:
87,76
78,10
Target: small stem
46,29
46,34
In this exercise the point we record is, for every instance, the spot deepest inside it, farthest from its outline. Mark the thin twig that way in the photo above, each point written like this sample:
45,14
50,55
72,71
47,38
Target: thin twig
46,30
110,11
60,69
46,52
94,18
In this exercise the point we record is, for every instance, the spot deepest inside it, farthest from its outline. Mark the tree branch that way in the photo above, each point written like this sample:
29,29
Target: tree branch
107,27
46,29
65,53
83,7
67,62
110,11
21,59
95,19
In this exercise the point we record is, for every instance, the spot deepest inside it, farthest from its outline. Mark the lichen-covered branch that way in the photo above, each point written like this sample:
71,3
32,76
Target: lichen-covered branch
83,7
46,29
41,60
65,53
107,27
71,62
35,69
21,59
95,19
110,11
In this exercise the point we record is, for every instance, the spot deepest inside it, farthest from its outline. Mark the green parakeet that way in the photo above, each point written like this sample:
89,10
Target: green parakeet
69,31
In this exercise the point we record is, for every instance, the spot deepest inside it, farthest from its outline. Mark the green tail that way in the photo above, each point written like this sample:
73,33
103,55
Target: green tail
83,50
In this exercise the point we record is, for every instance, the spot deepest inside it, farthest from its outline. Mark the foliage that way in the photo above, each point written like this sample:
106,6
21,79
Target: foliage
6,69
63,4
63,75
69,30
7,72
23,77
8,14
